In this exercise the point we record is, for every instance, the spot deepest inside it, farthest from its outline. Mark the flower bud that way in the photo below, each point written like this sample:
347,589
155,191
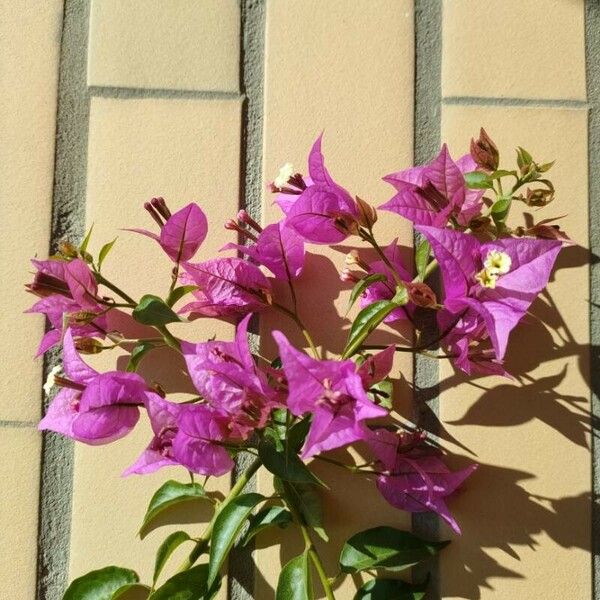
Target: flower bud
347,276
353,259
485,152
88,345
421,295
368,214
67,249
82,317
244,217
539,197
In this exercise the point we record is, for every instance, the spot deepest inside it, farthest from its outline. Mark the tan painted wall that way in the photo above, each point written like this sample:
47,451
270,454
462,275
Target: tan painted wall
346,67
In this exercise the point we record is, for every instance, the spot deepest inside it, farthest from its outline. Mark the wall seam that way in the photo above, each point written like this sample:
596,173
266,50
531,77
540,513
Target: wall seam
125,93
68,222
426,131
592,47
504,101
241,571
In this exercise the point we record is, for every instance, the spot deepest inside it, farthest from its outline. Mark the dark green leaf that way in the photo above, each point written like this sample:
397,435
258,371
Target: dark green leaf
477,180
104,253
101,584
390,589
385,548
188,585
366,321
132,591
137,354
227,526
306,501
422,258
294,580
169,494
362,285
86,240
266,518
151,310
270,516
165,550
500,209
281,460
179,292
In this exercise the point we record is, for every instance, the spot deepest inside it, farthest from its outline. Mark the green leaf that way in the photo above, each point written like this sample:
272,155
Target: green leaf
169,494
294,580
100,584
227,526
137,354
171,543
132,591
502,173
104,253
366,321
270,516
523,157
362,285
477,180
500,209
282,460
86,240
179,292
382,393
188,585
422,258
385,548
401,296
151,310
390,589
306,502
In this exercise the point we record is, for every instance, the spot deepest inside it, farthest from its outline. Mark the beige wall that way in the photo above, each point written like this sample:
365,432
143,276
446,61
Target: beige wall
167,117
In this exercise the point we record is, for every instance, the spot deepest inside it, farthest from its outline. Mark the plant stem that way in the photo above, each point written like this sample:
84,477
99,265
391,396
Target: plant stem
203,541
369,237
301,326
311,551
169,338
111,286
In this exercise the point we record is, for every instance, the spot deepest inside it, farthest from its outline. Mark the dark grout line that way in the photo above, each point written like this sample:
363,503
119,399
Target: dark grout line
502,101
17,424
241,579
68,222
126,93
592,46
427,138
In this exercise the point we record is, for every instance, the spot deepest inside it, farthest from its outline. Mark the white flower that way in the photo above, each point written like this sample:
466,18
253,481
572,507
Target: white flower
497,262
284,175
50,379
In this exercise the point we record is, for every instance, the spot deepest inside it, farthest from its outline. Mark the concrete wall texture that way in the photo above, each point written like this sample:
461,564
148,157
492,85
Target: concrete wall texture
105,103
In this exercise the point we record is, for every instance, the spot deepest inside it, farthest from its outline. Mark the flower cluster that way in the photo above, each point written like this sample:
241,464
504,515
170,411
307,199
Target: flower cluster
301,405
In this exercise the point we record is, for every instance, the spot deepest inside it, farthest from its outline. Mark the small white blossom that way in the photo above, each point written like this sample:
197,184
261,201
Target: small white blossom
283,176
47,387
497,262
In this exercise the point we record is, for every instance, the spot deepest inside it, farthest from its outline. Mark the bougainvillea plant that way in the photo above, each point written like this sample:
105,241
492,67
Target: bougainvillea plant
293,409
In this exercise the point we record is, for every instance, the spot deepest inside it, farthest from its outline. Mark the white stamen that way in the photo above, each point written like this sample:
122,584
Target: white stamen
284,175
47,387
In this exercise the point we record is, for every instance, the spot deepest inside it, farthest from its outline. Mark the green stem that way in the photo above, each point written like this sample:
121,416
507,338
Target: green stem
369,237
111,286
203,541
301,326
169,338
311,551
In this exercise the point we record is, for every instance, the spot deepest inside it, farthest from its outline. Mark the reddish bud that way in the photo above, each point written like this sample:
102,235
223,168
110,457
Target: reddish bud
485,152
421,295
